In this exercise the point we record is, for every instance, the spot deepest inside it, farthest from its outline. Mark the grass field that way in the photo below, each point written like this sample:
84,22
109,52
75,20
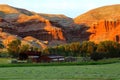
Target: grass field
84,72
5,60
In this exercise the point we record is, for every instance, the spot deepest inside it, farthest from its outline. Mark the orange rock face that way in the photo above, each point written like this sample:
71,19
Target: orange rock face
8,40
96,25
24,18
105,30
103,23
56,33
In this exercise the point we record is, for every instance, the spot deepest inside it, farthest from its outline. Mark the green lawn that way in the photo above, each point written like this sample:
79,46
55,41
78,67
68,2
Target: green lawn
5,60
84,72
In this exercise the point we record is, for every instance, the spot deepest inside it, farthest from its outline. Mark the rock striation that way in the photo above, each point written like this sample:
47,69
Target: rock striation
24,23
105,30
96,25
103,23
110,12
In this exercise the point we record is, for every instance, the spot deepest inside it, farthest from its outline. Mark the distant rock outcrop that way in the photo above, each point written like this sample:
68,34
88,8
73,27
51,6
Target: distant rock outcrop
103,23
59,20
24,23
6,38
105,30
111,12
96,25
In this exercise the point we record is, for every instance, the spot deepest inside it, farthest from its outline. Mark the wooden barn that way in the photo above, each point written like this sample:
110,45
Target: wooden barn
30,55
37,57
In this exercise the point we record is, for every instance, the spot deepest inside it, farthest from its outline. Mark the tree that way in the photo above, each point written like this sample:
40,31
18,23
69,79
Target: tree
46,51
109,49
60,50
14,48
1,49
75,48
87,48
1,45
24,48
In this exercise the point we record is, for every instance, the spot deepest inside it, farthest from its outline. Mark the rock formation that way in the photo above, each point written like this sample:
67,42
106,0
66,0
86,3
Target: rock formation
110,12
59,20
24,23
6,38
103,23
105,30
96,25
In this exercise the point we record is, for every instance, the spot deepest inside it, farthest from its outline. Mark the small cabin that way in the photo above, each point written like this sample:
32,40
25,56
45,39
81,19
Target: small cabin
51,58
55,58
37,57
30,55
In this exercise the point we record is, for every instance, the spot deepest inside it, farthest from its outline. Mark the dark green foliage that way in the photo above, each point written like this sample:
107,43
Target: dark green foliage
65,50
24,48
109,49
105,49
14,47
4,54
1,45
87,48
97,56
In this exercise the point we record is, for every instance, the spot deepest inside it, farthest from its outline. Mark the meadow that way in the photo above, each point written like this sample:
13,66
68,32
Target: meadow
73,72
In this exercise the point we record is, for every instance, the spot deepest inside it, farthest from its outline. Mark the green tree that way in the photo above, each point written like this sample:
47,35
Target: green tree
14,48
87,48
60,50
68,50
109,48
24,48
1,49
46,51
1,45
75,48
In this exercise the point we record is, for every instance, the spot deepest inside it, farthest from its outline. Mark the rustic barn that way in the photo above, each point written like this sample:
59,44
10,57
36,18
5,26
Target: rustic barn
37,57
30,55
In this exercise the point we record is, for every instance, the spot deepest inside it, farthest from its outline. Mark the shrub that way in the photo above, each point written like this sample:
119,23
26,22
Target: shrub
4,54
14,61
97,56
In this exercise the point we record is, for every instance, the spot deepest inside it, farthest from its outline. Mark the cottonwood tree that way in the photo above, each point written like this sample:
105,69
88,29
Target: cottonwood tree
14,48
24,48
87,48
109,49
1,45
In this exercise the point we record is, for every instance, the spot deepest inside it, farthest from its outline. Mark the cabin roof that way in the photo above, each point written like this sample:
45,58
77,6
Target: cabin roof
56,56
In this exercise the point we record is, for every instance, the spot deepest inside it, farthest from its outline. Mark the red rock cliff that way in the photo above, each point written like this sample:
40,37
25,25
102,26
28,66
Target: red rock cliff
103,23
105,30
24,23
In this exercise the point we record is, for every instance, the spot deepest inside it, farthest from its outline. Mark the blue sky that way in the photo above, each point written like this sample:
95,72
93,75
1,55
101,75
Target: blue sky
71,8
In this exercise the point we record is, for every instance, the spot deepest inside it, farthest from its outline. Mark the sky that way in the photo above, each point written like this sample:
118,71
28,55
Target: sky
70,8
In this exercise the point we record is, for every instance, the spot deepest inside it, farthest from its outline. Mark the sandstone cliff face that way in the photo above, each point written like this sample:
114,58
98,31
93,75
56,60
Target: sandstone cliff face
12,10
103,23
110,12
105,30
54,28
96,25
41,29
24,23
59,20
6,38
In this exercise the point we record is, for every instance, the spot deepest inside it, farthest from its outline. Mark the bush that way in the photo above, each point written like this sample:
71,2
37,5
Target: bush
14,61
4,54
97,56
29,61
